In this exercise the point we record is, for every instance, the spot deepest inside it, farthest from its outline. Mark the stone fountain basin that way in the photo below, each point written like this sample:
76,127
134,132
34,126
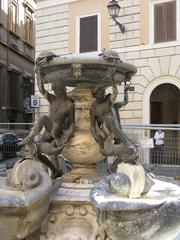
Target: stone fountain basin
155,216
93,69
22,212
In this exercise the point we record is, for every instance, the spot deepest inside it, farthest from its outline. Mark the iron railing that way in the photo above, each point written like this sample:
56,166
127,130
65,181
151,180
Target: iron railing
165,162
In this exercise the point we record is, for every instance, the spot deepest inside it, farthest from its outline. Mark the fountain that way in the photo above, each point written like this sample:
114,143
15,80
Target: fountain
84,127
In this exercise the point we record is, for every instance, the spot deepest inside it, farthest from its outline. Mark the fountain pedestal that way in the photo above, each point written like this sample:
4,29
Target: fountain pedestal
71,214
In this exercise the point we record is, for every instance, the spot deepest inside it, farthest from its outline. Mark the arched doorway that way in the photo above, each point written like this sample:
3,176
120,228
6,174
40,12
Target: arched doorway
146,118
164,109
165,104
161,105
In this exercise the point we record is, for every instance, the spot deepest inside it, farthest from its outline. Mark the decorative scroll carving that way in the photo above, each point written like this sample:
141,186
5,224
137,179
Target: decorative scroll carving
73,222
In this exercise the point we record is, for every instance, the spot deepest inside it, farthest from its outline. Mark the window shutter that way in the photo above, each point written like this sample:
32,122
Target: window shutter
171,20
88,34
13,17
165,22
84,32
93,33
159,23
14,93
1,86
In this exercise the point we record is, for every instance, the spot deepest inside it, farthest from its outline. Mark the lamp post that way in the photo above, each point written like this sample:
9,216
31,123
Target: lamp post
113,9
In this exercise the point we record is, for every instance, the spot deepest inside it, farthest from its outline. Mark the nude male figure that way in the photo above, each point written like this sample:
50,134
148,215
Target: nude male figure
105,125
60,123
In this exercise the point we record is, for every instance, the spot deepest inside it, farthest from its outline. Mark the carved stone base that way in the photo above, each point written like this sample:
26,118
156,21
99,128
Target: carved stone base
71,215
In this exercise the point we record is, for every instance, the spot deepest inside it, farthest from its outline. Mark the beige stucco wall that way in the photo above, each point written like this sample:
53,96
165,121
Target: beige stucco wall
144,21
52,20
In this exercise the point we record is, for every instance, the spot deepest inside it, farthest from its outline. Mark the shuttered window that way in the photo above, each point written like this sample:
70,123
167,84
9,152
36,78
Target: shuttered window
88,34
28,29
165,22
1,86
29,23
13,17
14,90
0,10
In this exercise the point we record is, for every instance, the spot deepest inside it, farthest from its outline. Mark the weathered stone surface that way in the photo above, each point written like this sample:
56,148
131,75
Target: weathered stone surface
24,206
93,69
136,176
154,216
71,216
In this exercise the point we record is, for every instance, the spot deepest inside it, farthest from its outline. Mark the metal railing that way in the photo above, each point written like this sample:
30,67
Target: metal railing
20,129
165,162
10,136
143,136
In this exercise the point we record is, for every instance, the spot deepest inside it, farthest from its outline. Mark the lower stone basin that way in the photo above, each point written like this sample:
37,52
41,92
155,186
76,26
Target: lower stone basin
22,211
155,216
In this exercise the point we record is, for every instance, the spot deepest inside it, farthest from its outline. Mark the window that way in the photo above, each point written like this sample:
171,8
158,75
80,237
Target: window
14,90
79,10
1,86
0,9
28,29
88,34
13,17
28,23
28,87
165,22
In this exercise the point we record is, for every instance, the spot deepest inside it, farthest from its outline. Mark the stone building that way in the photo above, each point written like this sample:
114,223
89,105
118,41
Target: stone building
17,41
151,42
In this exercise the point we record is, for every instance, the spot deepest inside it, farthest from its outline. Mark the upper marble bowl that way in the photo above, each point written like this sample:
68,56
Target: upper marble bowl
86,69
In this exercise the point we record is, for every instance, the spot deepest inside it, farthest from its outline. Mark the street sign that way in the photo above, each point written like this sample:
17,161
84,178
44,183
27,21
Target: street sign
34,101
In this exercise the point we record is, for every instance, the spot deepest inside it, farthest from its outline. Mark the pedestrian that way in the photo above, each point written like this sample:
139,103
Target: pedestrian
158,146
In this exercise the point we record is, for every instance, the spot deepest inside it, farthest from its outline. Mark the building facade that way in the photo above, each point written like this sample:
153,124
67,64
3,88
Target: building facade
17,51
151,42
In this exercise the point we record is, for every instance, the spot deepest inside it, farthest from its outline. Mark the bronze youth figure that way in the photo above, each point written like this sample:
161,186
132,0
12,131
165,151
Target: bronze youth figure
105,124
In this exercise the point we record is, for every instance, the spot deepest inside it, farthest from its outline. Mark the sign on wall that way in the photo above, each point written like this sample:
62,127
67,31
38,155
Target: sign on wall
34,101
147,143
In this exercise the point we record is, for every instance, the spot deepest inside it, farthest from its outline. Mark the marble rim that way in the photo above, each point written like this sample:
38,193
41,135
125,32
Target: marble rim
104,199
94,70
